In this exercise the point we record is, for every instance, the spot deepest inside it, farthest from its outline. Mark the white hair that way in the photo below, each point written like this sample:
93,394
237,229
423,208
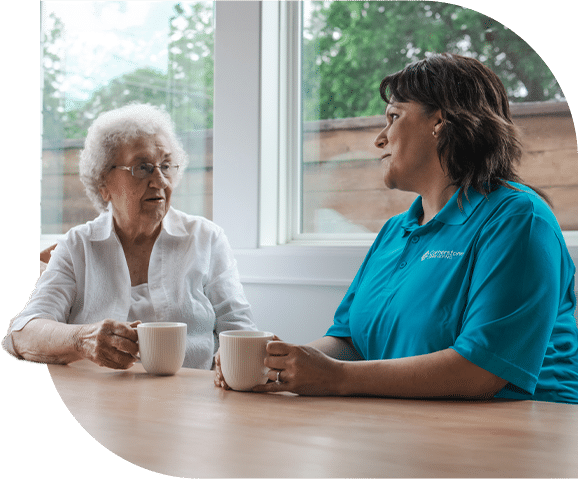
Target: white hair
115,128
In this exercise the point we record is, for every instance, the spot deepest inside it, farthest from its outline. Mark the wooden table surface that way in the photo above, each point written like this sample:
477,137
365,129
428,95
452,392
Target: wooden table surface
184,426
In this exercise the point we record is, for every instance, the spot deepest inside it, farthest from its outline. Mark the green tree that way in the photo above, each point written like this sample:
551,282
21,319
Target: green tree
350,46
53,76
191,66
185,91
143,85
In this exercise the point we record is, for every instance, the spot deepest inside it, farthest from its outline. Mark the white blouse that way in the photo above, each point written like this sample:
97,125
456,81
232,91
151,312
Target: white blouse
192,278
141,304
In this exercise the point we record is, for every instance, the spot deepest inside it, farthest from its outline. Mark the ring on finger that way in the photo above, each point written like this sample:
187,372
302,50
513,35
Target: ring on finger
278,381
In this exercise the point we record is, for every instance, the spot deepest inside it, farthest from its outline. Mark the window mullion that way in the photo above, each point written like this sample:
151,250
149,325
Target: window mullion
236,131
270,212
291,100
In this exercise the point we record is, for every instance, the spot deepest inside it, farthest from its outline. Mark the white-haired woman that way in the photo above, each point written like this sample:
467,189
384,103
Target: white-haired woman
140,260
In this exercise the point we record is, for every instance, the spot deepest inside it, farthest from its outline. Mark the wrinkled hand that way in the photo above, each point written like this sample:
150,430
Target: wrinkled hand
109,343
303,370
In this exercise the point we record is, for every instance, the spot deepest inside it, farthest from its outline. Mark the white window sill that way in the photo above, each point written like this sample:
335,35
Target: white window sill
319,263
309,262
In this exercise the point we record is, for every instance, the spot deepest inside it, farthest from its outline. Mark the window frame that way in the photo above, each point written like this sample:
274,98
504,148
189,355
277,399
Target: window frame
286,85
281,134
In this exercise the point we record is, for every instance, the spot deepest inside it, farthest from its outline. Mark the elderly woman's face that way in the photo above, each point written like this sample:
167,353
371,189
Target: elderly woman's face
409,145
139,204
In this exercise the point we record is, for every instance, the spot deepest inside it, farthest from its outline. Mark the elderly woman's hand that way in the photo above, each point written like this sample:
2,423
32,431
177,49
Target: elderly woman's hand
302,370
109,343
219,379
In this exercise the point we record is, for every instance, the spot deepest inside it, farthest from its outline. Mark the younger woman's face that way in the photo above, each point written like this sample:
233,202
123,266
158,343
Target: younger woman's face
409,145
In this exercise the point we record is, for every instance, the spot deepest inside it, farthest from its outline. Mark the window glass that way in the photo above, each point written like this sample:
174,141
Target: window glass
348,47
101,55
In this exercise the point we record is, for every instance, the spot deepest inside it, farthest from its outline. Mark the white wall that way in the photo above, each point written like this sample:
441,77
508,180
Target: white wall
294,290
296,313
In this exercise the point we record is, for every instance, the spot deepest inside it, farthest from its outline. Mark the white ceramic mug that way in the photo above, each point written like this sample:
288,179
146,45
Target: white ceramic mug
162,347
242,358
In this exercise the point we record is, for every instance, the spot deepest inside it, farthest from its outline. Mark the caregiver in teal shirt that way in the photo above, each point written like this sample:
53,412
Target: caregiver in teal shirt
470,293
496,282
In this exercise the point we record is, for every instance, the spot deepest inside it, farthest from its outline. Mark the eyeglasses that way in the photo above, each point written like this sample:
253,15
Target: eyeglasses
144,170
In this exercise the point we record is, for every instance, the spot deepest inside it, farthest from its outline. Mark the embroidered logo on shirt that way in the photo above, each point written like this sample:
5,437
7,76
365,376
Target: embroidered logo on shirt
441,254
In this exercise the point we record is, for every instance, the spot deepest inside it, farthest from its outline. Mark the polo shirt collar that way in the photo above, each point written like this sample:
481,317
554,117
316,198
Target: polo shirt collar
103,227
451,214
411,218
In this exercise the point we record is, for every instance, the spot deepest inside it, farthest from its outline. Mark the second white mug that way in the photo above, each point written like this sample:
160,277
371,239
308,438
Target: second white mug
242,358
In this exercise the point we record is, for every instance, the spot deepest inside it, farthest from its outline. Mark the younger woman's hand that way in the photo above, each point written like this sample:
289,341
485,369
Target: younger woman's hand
302,370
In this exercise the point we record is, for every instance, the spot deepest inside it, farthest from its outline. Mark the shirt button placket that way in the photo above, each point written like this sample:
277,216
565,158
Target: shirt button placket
414,240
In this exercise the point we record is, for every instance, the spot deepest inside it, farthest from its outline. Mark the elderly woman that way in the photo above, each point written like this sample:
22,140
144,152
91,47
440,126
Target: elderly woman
469,293
139,261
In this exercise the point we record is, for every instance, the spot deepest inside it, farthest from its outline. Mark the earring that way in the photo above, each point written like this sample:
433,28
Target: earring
433,133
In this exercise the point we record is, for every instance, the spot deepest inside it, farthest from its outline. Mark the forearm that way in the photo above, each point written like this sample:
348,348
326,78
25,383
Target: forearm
48,341
443,374
337,348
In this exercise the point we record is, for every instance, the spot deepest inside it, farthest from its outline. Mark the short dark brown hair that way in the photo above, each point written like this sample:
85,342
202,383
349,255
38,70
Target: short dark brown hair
479,146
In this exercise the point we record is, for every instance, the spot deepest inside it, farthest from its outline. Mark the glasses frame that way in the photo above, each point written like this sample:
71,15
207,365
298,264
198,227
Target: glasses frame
150,169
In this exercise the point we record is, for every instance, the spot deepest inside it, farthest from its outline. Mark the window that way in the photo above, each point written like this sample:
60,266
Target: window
259,178
348,47
101,55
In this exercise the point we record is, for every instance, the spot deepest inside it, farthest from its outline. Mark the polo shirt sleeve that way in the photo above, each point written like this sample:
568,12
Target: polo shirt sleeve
340,327
513,298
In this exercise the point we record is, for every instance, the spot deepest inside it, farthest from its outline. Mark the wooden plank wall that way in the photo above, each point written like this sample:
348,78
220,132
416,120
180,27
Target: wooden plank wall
341,173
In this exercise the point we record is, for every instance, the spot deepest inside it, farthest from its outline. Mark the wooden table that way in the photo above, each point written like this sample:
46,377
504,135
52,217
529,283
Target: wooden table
184,426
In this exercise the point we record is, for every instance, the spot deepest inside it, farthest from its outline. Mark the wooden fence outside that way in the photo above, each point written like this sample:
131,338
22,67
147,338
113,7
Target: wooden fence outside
342,179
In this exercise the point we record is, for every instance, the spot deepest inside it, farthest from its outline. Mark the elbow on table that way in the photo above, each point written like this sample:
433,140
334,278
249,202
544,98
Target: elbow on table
8,345
469,380
33,341
484,386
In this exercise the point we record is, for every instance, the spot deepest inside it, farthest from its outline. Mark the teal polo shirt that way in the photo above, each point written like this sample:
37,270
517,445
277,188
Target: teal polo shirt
492,280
